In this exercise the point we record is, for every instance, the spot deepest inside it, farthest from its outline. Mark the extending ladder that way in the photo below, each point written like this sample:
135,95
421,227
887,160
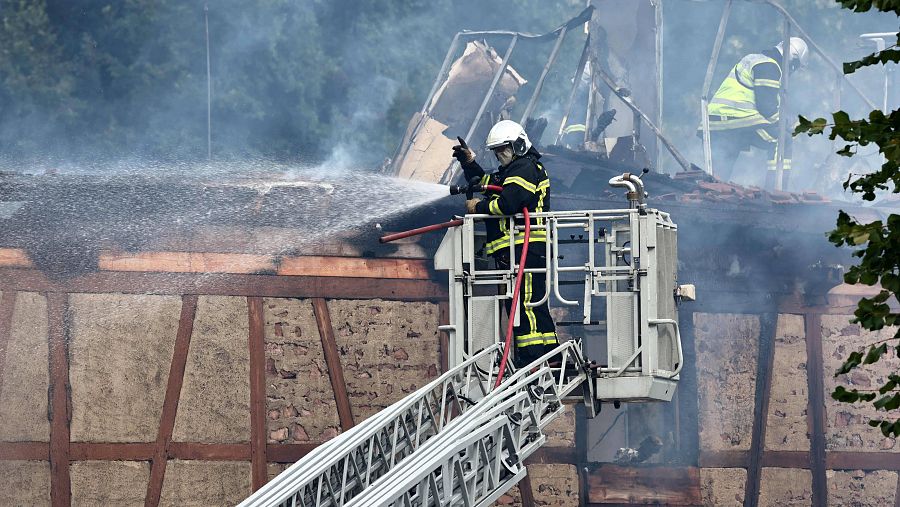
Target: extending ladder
455,441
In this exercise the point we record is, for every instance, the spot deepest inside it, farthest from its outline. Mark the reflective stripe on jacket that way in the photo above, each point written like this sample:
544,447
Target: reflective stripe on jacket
537,186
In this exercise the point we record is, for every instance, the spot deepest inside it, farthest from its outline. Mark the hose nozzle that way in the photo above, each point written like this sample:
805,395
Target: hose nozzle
458,189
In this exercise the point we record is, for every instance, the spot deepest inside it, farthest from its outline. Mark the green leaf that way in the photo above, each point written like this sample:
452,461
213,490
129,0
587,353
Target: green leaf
881,57
844,396
867,396
840,118
854,360
890,402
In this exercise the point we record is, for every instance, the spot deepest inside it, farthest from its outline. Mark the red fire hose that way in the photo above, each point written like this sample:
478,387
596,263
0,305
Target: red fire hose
436,227
421,230
515,298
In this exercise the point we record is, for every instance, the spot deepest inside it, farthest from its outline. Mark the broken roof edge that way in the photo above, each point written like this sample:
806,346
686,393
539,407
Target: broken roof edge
581,18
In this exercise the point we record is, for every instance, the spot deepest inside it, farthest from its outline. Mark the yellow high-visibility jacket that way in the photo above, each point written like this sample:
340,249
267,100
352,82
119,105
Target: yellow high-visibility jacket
734,104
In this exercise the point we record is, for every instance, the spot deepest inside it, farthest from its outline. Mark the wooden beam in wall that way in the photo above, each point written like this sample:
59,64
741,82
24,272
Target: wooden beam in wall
257,392
333,361
136,451
724,459
170,403
444,337
60,404
288,453
7,306
846,460
764,364
226,285
785,459
28,451
209,452
526,490
555,455
816,409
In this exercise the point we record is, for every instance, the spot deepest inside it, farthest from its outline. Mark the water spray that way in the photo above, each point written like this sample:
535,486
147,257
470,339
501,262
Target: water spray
469,190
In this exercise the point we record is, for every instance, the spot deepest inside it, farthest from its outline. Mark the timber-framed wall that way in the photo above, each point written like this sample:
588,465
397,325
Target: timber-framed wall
781,448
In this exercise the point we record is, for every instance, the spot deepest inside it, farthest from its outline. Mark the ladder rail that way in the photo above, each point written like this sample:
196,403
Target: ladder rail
521,407
365,441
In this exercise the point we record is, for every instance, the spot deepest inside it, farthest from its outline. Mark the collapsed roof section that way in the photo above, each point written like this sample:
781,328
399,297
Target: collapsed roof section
479,83
612,108
424,155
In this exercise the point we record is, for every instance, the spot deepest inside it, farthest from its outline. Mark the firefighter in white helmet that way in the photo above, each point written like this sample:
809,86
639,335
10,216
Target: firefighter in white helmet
744,112
525,184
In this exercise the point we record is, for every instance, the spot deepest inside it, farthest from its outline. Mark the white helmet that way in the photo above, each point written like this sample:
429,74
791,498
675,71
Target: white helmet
799,51
511,133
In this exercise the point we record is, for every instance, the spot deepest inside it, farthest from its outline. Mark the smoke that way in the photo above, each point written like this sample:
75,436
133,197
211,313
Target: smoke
299,81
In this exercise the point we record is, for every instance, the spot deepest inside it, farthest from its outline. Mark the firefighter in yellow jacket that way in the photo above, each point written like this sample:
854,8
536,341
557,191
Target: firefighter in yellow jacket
525,184
744,112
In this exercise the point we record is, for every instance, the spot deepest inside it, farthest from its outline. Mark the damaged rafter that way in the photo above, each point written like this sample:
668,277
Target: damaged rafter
333,361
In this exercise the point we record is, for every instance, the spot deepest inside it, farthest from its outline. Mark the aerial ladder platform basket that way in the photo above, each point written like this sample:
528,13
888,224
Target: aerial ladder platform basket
463,438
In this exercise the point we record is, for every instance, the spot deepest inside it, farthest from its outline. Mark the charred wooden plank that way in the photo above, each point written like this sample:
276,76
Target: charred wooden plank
647,485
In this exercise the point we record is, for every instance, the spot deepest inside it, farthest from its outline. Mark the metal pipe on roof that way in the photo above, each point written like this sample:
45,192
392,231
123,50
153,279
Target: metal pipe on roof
819,50
581,63
540,82
781,147
582,17
454,169
707,81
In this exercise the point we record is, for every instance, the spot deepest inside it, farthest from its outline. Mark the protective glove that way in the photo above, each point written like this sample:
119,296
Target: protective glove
462,152
470,205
